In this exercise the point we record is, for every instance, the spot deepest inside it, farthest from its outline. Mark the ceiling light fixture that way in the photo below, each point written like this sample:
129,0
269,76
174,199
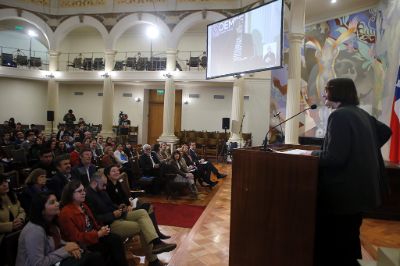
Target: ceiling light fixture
333,1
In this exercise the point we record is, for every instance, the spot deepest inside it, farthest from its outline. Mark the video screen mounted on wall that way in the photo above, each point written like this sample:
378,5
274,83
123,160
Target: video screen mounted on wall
247,42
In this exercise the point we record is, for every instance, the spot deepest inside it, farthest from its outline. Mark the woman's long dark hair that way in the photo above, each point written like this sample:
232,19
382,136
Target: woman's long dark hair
37,207
10,193
68,192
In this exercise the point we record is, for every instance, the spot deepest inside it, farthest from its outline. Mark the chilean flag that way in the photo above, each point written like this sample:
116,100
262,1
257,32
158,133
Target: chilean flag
395,125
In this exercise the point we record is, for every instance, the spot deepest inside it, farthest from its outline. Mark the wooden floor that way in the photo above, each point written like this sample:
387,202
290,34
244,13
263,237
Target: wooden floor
207,243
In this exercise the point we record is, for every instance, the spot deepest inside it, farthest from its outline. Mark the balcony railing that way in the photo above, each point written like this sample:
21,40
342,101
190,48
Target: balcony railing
95,61
22,58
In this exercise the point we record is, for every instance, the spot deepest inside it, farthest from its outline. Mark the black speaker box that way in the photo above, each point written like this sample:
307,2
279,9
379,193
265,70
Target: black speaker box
225,123
50,115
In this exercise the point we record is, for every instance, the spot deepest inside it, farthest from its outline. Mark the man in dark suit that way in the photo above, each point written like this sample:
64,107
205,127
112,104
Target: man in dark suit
86,169
63,176
151,169
149,162
124,221
201,163
351,175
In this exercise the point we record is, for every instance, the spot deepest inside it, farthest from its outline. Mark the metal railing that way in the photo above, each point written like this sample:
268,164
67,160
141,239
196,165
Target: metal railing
95,61
23,58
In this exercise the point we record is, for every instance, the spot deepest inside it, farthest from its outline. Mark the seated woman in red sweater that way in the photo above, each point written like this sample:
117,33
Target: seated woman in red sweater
78,224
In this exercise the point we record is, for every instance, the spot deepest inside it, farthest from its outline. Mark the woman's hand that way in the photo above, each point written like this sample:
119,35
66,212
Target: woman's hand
17,224
73,249
105,230
117,213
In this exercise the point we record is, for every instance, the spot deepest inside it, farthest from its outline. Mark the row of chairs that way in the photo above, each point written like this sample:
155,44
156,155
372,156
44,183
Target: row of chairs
197,62
88,63
209,144
20,60
142,63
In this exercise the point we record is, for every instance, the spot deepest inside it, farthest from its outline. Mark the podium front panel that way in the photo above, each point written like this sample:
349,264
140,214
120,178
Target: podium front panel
272,209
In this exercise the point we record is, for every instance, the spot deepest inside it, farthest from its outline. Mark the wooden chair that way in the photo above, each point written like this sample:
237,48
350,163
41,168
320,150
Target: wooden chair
212,149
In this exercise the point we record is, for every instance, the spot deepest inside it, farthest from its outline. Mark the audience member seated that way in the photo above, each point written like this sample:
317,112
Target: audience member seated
61,149
174,167
6,139
108,158
34,151
110,142
35,183
165,152
78,224
100,145
150,166
119,196
124,221
75,153
30,139
201,163
191,169
96,154
85,170
19,137
201,173
46,162
149,162
130,152
124,162
12,219
63,176
40,241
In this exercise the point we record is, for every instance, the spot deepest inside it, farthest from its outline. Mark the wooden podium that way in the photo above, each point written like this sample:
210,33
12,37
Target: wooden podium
273,207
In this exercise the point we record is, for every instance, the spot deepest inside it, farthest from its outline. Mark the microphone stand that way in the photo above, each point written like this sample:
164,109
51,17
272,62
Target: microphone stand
265,143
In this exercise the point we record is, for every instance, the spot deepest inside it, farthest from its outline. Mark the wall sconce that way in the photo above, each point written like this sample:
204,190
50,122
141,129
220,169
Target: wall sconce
186,102
137,99
50,76
167,75
105,75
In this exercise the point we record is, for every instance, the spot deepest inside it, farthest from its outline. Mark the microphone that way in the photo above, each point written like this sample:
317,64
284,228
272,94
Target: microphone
265,143
277,114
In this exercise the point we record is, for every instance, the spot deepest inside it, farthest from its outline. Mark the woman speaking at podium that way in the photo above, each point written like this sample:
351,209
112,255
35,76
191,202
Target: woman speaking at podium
351,176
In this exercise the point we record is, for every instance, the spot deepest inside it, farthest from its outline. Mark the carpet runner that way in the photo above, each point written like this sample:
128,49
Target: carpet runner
181,215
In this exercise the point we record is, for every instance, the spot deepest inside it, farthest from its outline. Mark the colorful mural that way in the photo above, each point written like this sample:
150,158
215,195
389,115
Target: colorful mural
342,47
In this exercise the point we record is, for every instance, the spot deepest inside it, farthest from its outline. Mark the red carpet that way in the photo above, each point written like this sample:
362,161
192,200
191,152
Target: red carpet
177,215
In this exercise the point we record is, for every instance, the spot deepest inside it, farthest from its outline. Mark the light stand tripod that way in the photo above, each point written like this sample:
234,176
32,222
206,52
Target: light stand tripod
224,150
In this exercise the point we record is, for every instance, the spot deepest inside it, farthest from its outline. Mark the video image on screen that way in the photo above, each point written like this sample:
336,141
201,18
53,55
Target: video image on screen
247,42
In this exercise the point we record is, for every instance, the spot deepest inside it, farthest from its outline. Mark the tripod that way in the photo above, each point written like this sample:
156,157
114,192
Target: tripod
224,150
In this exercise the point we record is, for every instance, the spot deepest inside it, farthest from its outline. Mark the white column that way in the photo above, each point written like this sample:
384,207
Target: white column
237,112
108,95
169,102
171,60
52,91
169,113
296,37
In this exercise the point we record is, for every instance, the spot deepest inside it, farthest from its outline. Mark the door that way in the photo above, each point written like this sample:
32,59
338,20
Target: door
156,111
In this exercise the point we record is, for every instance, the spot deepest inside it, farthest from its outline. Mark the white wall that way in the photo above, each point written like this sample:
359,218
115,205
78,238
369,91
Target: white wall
205,112
25,100
256,109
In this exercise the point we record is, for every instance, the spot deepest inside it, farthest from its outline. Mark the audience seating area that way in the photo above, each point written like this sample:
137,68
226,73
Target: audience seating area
210,145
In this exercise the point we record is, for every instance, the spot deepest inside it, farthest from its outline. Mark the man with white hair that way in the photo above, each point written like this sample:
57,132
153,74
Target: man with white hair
150,166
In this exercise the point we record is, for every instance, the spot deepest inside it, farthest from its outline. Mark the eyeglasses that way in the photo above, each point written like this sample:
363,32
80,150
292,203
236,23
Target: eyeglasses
82,190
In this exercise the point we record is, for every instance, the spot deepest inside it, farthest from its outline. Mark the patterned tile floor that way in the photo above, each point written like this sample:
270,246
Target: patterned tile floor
207,243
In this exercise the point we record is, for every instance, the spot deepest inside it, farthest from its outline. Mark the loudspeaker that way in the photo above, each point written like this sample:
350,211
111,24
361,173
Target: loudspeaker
225,123
50,115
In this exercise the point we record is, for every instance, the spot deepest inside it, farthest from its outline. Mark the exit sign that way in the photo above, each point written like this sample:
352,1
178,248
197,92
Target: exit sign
160,92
